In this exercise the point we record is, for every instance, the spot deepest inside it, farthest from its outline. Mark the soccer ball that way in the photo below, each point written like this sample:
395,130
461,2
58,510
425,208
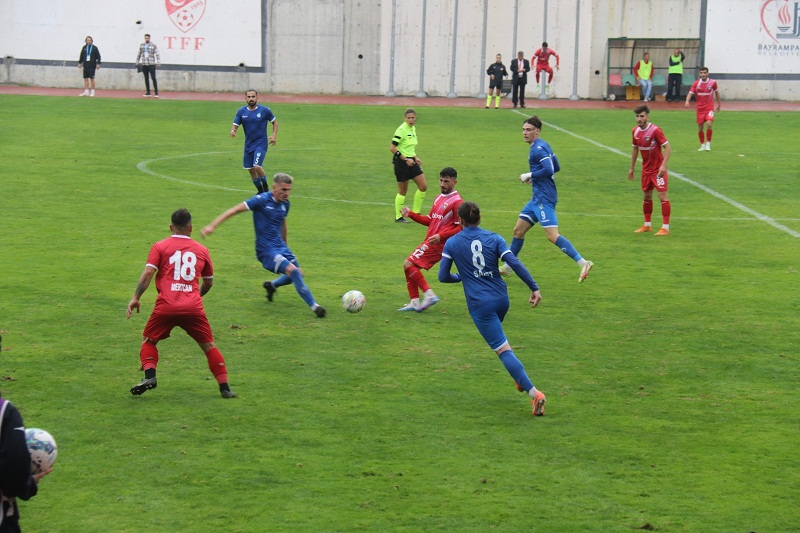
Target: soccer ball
42,447
612,97
353,301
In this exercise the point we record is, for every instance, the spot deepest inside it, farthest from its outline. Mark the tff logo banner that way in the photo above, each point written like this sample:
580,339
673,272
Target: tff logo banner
781,19
185,14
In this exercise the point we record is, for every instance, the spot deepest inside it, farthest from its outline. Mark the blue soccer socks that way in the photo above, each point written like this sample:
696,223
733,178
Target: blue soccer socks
515,368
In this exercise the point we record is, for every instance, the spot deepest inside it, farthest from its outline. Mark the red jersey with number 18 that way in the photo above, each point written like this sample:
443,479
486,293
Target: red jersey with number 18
649,141
180,261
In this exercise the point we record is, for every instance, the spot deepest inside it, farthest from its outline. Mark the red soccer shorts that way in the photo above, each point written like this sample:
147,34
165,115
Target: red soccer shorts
705,116
652,181
426,255
160,326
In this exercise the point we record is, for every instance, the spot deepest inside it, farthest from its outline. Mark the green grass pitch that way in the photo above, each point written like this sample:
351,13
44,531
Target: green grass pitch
671,373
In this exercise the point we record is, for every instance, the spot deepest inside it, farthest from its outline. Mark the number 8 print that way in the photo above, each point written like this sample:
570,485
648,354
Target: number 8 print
477,254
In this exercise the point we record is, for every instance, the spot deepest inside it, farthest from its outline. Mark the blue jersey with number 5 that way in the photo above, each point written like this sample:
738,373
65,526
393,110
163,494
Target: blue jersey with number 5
254,122
476,253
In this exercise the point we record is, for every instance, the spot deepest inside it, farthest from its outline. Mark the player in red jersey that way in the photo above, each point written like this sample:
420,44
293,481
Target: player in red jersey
442,222
542,58
649,140
706,91
177,262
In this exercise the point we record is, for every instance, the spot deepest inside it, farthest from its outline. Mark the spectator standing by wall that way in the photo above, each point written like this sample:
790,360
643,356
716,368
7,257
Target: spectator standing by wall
89,61
675,76
519,72
149,60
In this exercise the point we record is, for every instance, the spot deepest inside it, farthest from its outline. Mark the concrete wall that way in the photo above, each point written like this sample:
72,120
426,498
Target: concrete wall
378,46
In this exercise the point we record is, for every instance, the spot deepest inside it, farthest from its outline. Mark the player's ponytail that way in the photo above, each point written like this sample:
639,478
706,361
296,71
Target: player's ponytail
470,213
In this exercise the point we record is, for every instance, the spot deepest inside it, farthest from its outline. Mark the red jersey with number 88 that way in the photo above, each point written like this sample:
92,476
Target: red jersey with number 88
180,262
649,141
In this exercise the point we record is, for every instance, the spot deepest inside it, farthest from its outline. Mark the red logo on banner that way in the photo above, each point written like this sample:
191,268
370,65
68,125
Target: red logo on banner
185,14
781,19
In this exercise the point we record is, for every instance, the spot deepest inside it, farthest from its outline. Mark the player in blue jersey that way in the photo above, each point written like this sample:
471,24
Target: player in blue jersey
269,219
476,253
254,118
542,207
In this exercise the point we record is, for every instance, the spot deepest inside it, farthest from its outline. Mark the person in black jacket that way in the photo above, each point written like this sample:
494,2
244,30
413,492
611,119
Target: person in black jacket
496,71
16,480
519,72
89,61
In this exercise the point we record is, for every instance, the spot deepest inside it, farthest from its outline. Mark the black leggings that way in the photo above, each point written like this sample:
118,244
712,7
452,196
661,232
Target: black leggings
151,70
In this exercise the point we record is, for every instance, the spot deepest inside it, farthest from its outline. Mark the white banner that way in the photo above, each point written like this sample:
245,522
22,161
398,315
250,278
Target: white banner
209,33
753,36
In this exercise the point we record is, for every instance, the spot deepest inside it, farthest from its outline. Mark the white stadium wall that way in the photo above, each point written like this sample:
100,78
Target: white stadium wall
755,46
395,47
